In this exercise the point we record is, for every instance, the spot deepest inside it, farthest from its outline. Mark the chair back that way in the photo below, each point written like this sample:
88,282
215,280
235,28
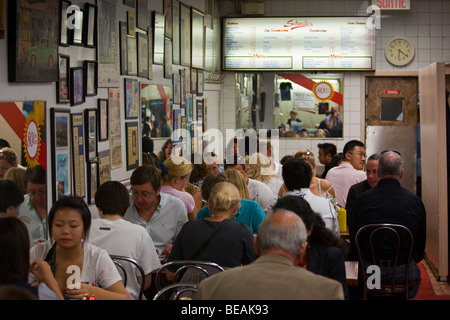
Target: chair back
120,261
177,291
385,245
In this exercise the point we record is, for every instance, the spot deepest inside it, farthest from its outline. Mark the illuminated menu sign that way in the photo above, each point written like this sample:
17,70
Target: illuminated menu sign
298,44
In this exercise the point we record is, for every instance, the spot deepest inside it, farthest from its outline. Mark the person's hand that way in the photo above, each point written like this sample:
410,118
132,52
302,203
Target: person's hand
166,251
78,294
42,271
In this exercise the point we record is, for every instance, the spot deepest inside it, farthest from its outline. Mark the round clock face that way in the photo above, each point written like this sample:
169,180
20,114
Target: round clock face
399,51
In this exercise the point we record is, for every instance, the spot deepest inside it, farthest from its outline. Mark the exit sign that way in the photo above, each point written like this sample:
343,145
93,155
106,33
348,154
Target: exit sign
392,4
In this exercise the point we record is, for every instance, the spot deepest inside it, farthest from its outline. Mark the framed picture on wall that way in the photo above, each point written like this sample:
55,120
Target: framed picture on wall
197,39
63,83
93,180
77,78
131,88
200,82
26,61
168,11
103,123
90,81
176,31
78,34
61,152
131,129
142,54
104,164
123,43
90,130
193,81
91,25
131,22
142,14
132,56
79,181
150,52
185,35
63,30
158,37
115,127
168,58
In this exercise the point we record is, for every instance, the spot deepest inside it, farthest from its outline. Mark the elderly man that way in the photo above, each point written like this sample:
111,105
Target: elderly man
281,245
388,202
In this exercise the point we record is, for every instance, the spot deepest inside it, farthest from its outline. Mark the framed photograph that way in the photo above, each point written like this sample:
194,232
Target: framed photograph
115,127
63,30
103,123
132,56
131,22
150,52
78,34
90,132
199,109
182,88
176,88
61,153
200,82
197,39
168,68
131,88
131,129
104,166
185,35
93,181
78,149
158,37
63,83
27,62
142,55
142,14
91,25
77,78
168,11
193,81
90,81
123,42
176,32
130,3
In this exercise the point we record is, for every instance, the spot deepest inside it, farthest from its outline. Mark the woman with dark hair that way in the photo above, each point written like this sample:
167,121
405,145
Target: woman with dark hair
88,269
325,252
11,198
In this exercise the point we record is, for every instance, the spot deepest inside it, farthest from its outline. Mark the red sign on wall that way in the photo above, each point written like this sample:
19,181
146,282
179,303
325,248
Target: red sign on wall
392,91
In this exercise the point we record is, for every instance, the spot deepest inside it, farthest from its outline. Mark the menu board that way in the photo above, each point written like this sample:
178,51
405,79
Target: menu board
286,43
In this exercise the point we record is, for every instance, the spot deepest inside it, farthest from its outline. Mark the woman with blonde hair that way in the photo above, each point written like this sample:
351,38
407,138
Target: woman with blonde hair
236,178
17,175
175,175
259,168
8,159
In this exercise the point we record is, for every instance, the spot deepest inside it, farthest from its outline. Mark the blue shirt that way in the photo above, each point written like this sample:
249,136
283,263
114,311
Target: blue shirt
250,213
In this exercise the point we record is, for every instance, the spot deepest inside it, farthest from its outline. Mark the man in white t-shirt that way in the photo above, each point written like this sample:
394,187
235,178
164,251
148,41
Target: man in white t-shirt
123,238
258,190
297,175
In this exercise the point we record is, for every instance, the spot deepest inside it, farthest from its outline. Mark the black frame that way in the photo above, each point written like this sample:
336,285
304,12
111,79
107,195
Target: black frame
123,44
64,39
185,35
158,37
142,14
74,70
133,82
87,75
103,133
197,34
77,143
92,179
75,37
90,30
142,64
89,129
59,98
128,126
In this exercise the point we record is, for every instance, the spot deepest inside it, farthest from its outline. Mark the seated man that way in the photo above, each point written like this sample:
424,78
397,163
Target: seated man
388,202
281,245
297,175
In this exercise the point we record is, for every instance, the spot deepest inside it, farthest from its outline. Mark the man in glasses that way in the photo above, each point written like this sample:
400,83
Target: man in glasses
388,202
33,210
350,171
161,214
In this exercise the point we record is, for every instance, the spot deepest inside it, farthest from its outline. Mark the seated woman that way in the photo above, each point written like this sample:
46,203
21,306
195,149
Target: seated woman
232,244
174,181
69,221
249,212
325,254
259,168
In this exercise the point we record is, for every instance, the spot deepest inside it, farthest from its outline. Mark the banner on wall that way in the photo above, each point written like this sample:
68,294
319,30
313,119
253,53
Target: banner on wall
27,121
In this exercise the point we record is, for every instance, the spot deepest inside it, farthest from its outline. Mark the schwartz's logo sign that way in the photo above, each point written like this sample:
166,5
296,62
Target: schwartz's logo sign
294,24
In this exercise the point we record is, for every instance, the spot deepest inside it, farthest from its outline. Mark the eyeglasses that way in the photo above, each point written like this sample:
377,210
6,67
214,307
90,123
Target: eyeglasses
360,154
39,193
145,195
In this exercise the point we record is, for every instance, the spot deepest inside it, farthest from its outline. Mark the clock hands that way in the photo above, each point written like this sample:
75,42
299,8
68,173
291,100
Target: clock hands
400,51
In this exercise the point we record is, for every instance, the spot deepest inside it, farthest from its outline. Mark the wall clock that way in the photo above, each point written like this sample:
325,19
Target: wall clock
399,51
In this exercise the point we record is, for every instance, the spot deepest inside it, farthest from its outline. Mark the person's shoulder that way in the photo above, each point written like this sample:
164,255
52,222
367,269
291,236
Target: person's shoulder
167,198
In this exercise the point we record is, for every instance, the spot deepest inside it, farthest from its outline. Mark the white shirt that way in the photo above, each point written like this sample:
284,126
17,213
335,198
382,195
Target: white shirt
123,238
261,193
98,269
34,223
166,222
321,206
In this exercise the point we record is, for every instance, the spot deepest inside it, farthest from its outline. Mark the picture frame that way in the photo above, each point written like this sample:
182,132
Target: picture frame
132,56
176,88
142,55
130,3
26,62
132,105
168,12
77,87
132,145
131,23
193,81
176,32
93,180
142,14
185,35
158,37
91,25
123,43
168,68
63,83
90,133
104,166
199,110
63,30
150,52
103,123
78,148
200,82
115,127
91,80
78,35
61,149
197,39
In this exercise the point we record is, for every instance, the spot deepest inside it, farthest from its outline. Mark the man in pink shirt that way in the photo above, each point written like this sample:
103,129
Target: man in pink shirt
350,171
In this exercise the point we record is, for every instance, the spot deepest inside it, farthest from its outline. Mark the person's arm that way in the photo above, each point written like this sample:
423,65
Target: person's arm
43,273
116,291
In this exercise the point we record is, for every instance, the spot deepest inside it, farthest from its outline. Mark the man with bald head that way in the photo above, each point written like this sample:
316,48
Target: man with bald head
280,244
388,202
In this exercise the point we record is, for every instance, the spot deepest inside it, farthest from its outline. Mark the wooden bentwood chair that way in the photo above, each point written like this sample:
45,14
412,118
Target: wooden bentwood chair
119,261
386,237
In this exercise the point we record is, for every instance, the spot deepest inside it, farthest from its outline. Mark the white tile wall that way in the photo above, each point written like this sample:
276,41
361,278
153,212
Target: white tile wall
427,25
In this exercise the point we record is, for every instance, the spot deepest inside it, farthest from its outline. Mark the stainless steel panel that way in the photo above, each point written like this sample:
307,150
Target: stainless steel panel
402,139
